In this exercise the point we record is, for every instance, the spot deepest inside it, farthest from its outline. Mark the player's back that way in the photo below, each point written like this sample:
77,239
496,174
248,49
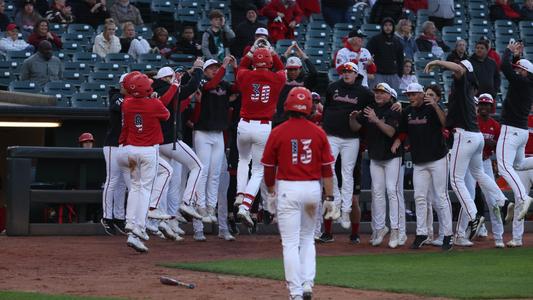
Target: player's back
260,91
142,118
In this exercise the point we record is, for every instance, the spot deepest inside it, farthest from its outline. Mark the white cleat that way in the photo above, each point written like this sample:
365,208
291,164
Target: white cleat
402,239
225,235
514,243
151,226
157,214
525,208
499,244
199,236
244,216
175,226
483,232
437,242
180,217
203,212
463,242
394,238
211,214
166,230
238,200
510,213
189,210
135,243
137,231
380,235
345,220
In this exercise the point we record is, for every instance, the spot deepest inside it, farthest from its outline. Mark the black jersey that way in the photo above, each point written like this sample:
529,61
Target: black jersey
378,143
461,105
115,118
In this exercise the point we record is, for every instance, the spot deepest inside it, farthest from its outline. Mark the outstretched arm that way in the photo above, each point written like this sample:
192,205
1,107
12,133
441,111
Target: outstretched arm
457,69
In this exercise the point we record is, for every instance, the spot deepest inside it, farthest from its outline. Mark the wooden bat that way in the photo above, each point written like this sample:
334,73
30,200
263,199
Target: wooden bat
171,281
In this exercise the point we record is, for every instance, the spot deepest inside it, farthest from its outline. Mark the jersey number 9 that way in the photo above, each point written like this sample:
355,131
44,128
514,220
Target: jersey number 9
305,157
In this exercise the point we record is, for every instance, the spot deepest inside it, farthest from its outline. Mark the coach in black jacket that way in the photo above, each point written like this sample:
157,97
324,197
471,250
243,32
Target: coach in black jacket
486,70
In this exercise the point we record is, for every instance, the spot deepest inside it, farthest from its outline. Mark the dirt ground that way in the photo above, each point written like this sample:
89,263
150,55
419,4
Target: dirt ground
104,266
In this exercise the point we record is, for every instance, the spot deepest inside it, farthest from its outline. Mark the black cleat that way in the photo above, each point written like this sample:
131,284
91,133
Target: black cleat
354,239
447,244
419,241
474,226
120,226
108,226
326,238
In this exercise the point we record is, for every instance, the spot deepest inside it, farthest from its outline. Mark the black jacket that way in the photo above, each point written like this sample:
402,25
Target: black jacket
487,75
214,107
184,46
115,117
519,96
386,9
244,36
82,13
426,45
341,100
388,53
378,143
455,57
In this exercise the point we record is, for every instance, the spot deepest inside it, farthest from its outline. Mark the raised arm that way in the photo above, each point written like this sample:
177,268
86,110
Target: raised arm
458,70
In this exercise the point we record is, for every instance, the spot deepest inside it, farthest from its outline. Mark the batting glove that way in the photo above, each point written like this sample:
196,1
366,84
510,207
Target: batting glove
271,202
331,212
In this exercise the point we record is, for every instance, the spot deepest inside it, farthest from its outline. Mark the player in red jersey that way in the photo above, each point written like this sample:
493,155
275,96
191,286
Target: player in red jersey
301,153
260,89
141,134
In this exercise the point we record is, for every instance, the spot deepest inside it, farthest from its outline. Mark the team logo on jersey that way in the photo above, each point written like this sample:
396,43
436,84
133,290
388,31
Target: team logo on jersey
345,98
138,119
218,92
416,121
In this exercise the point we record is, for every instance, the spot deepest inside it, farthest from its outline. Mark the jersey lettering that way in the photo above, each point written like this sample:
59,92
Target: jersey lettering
260,93
306,157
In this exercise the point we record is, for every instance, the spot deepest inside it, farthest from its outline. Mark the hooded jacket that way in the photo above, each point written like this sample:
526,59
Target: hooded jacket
487,75
387,50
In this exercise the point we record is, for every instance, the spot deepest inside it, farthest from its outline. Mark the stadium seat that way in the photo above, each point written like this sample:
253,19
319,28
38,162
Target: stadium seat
202,24
74,77
104,77
59,87
526,34
58,29
76,66
317,44
152,58
144,31
91,87
62,55
80,37
371,29
505,24
525,24
110,67
478,14
88,100
61,100
317,17
73,47
6,75
176,57
187,14
119,58
142,67
318,34
24,86
80,28
18,56
316,53
87,57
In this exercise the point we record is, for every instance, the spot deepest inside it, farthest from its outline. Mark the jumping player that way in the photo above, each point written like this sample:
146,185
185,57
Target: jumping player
300,151
141,133
514,133
260,89
468,142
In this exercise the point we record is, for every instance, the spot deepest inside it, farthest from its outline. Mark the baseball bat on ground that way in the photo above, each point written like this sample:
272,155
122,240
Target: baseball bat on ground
171,281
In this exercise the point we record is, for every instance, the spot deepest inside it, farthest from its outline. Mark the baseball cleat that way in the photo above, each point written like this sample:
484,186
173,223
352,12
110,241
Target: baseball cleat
120,226
151,226
166,230
238,200
402,239
463,242
225,235
135,243
131,228
233,228
372,237
245,217
437,242
199,236
419,241
514,243
307,291
380,235
475,226
509,213
355,239
394,238
175,226
499,244
525,208
447,244
326,238
497,213
180,217
157,214
211,214
483,231
189,210
109,228
345,220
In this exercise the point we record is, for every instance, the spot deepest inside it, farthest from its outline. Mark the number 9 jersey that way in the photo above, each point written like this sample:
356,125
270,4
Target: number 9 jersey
299,149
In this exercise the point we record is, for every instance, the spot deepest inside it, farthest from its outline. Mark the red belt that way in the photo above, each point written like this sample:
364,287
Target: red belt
261,121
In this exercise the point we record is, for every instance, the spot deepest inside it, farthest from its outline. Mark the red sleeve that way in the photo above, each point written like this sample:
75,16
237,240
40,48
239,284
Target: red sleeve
57,41
160,111
327,157
245,63
124,130
297,13
282,77
33,40
496,130
213,83
185,104
246,50
371,69
277,63
269,154
195,116
270,10
270,176
169,95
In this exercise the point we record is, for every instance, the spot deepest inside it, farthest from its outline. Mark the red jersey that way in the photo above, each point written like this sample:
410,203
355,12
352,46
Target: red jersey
529,145
141,119
299,149
491,131
260,90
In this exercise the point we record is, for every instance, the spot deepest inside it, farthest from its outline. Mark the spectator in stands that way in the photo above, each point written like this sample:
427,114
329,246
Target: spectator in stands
60,13
336,11
503,10
485,70
159,42
353,51
12,42
240,8
42,66
4,19
27,17
526,11
122,11
429,42
309,7
187,44
92,12
459,53
260,33
245,32
388,55
383,9
283,16
41,32
107,42
408,75
441,12
404,32
415,5
41,6
216,39
493,53
86,140
131,44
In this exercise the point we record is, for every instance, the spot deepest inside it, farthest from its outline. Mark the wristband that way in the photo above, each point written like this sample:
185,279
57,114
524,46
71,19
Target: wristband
329,198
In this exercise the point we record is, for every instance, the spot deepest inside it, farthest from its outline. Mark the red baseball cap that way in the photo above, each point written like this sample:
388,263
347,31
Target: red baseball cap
11,27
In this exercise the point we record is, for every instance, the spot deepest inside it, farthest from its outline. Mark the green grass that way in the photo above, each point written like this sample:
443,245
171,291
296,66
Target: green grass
11,295
458,274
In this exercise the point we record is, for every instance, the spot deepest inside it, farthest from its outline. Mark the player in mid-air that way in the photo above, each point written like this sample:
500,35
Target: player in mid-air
298,156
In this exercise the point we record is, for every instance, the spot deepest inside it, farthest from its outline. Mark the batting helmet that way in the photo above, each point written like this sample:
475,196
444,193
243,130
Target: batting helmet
85,137
299,100
262,58
485,98
138,85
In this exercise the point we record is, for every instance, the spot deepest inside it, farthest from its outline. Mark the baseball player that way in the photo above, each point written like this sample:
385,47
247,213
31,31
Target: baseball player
342,98
260,89
422,123
490,129
141,134
468,142
514,133
113,195
353,51
381,123
300,151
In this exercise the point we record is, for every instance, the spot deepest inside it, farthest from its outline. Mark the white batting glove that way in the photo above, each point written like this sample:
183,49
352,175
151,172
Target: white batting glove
271,202
331,212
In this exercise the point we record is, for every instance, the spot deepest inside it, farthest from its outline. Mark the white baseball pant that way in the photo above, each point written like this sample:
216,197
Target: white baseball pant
462,221
348,149
113,195
386,182
223,197
158,195
511,158
185,156
251,140
432,177
466,155
401,203
176,188
209,146
518,226
143,167
296,211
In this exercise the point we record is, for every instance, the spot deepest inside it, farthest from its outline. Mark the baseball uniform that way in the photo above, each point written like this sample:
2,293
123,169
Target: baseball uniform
361,57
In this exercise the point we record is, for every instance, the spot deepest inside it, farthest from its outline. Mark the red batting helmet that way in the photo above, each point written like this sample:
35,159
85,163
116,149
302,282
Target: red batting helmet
262,58
138,85
299,100
485,98
86,137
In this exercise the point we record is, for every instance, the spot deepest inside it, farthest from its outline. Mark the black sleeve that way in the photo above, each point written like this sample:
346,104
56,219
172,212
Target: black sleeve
402,126
400,58
393,119
507,67
329,96
192,85
497,79
311,76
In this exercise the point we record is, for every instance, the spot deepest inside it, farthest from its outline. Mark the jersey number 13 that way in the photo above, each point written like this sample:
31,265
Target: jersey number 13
307,154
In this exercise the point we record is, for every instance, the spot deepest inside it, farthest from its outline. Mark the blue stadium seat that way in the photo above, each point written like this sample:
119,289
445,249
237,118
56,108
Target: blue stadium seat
176,57
58,29
80,37
142,67
17,56
88,100
144,31
104,77
110,67
6,74
80,28
61,100
74,77
317,44
59,87
371,29
91,87
152,58
119,58
76,66
86,57
24,86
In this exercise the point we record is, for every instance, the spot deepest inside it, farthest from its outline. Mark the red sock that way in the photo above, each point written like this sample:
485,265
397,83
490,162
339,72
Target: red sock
327,226
355,228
